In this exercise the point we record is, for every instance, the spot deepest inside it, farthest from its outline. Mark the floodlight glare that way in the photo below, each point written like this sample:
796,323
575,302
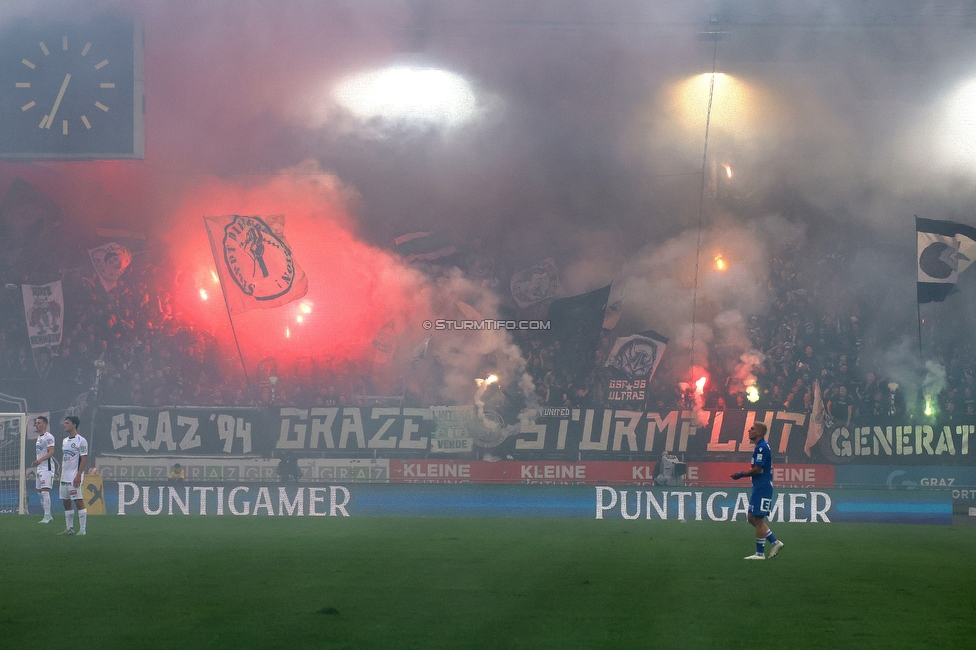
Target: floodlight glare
408,94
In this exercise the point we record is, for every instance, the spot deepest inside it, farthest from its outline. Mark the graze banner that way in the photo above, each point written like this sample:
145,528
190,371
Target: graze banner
44,309
254,261
178,430
565,433
631,363
110,261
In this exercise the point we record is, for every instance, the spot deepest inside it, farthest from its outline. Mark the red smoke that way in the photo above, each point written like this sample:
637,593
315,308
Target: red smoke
354,290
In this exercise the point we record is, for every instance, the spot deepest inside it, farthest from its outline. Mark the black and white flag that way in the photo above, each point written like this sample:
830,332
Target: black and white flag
945,249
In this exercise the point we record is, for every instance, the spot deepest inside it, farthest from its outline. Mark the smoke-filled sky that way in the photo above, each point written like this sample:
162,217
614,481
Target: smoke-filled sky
583,139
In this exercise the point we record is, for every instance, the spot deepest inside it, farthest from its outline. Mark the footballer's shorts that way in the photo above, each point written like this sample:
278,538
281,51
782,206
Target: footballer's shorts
70,492
44,478
761,501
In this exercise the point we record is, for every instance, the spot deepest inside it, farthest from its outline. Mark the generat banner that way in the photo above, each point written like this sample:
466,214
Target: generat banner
566,433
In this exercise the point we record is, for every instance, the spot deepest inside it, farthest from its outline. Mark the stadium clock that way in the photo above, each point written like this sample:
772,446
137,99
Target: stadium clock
71,91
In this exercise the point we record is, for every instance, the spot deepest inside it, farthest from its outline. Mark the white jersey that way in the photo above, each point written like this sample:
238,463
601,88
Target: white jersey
44,443
73,449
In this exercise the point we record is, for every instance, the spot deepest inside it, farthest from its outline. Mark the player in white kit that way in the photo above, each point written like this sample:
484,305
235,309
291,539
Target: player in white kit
45,465
74,460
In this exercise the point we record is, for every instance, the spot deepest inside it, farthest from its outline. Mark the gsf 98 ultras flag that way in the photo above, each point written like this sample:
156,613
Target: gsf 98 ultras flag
254,261
945,249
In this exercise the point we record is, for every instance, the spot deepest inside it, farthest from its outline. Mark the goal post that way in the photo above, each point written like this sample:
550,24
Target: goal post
13,473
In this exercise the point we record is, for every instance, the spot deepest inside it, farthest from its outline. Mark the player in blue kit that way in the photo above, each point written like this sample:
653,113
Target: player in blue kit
762,493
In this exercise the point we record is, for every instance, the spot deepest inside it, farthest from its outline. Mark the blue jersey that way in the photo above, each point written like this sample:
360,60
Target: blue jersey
762,457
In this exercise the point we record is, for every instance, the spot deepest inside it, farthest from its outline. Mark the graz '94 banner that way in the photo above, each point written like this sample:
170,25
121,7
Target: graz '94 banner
176,431
571,434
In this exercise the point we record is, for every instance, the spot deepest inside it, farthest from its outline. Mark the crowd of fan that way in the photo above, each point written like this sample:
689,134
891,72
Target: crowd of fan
798,344
131,345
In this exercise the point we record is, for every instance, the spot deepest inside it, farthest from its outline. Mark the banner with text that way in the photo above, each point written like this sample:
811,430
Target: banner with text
588,502
557,433
595,472
134,430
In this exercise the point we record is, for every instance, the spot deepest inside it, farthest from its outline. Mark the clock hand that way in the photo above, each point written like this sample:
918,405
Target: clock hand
57,102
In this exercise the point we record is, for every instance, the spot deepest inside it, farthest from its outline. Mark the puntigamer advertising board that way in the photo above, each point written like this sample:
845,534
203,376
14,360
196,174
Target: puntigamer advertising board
125,498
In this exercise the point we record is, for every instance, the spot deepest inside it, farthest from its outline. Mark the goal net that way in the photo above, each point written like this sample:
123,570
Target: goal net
13,476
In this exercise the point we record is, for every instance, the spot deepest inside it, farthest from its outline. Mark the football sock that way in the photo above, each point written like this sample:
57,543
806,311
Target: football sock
69,518
46,502
770,537
82,518
760,547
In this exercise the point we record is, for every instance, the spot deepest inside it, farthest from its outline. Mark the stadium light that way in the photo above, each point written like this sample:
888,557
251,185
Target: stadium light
957,128
410,94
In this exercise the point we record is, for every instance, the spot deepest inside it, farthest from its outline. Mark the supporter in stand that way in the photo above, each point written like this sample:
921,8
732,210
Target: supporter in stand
841,407
152,357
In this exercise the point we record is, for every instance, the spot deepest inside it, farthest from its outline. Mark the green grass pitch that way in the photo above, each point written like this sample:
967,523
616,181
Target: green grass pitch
263,582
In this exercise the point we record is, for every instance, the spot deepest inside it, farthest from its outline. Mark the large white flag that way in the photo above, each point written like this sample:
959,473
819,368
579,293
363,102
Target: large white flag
255,263
44,308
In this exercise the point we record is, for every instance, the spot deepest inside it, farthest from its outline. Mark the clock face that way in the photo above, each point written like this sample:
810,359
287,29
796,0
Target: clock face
70,91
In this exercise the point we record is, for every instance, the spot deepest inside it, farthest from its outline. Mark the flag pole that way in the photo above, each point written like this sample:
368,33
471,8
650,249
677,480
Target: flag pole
918,303
919,309
230,318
